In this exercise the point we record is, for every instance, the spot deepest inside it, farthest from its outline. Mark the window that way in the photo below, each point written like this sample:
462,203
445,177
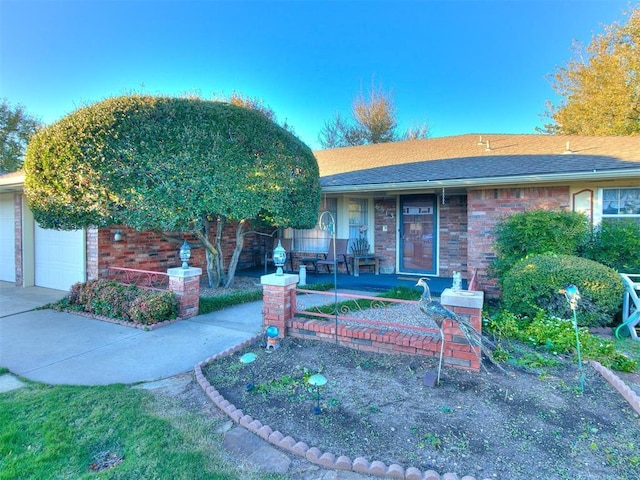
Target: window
620,202
315,240
358,219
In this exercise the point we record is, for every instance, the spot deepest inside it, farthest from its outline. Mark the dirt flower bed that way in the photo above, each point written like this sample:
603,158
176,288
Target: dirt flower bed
534,423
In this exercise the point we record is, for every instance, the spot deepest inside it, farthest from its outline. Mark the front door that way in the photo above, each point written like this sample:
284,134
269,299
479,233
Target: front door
418,234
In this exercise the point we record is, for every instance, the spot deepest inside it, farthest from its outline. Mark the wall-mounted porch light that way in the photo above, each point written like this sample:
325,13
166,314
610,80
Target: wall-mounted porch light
117,237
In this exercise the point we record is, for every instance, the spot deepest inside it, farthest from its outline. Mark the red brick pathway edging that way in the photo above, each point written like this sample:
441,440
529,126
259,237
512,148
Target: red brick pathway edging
312,454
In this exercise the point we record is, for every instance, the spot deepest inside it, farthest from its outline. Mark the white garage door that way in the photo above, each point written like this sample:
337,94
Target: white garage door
59,258
7,239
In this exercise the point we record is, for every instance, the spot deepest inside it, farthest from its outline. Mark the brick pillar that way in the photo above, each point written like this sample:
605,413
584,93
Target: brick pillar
467,305
279,300
185,283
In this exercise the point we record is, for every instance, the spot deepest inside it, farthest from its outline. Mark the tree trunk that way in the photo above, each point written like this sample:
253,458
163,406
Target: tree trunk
211,253
240,233
220,224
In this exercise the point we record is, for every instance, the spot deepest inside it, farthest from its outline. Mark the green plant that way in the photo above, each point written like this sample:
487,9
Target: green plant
124,302
556,336
534,283
151,307
212,304
320,286
537,232
430,439
616,244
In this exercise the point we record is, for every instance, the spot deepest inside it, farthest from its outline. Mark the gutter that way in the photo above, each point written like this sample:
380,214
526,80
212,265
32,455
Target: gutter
12,182
518,180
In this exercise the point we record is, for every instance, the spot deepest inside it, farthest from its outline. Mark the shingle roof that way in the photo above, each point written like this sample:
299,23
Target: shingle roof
463,157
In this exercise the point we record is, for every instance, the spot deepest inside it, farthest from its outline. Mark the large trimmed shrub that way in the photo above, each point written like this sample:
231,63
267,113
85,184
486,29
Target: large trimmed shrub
538,232
534,283
124,302
616,244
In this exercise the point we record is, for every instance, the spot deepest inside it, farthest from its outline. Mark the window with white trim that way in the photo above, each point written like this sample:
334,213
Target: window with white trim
358,219
316,240
620,202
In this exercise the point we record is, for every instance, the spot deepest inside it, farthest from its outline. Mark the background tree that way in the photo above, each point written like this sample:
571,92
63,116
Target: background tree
171,165
254,103
373,121
601,85
16,128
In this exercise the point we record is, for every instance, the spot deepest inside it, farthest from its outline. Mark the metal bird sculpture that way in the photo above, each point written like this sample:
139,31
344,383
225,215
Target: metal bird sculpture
438,314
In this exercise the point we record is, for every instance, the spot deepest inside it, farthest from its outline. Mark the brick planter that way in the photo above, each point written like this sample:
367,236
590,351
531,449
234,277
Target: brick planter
185,283
279,297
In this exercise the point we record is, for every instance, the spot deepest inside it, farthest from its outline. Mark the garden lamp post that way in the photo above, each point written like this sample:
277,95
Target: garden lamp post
279,258
185,254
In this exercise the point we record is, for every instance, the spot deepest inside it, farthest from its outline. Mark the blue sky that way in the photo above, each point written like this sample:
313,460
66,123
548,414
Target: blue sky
475,66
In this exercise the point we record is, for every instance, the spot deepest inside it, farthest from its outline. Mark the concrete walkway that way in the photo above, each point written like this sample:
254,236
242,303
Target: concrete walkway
63,348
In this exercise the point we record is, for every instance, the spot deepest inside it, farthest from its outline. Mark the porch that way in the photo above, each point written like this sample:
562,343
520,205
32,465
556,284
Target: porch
368,282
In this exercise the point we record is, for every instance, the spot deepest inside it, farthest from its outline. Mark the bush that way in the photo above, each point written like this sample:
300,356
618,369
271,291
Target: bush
534,282
212,304
151,307
124,302
616,244
538,232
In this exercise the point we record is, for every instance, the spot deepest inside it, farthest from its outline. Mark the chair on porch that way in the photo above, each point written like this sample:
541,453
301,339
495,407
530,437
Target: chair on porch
630,306
342,245
268,254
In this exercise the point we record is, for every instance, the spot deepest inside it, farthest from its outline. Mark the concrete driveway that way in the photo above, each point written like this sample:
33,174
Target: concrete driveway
63,348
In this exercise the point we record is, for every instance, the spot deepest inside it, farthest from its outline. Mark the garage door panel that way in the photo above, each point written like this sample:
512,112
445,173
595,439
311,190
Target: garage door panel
7,239
59,258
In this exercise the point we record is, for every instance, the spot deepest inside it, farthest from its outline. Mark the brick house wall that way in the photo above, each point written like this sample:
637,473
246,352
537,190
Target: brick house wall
149,251
486,207
385,241
452,231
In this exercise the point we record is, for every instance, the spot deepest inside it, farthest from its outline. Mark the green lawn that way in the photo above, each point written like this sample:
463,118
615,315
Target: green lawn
57,432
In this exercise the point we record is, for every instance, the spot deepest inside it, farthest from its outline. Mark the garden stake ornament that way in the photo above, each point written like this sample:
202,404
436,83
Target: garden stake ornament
438,314
318,380
572,295
246,359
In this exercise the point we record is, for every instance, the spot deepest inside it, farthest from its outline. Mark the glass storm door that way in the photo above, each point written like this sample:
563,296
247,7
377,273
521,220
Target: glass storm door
418,234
